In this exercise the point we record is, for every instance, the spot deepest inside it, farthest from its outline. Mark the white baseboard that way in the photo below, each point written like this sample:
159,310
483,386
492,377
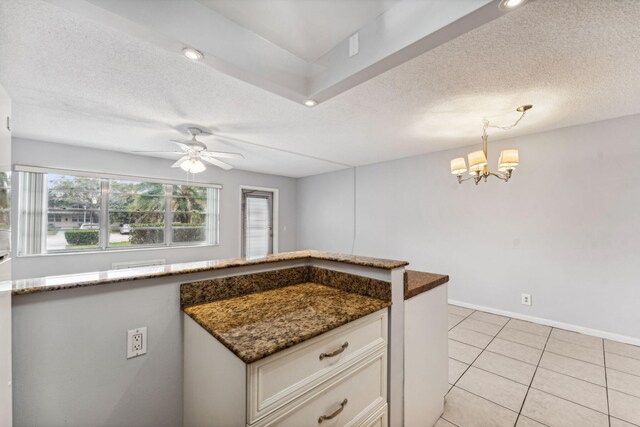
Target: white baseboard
553,323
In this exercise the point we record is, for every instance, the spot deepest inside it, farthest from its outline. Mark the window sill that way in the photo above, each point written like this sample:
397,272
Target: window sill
112,250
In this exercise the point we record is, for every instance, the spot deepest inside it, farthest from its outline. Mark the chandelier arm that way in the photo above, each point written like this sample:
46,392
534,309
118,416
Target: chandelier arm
461,180
499,176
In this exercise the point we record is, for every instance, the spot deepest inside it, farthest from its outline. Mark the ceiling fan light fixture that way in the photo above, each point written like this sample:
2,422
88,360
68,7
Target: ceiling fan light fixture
192,54
193,166
508,5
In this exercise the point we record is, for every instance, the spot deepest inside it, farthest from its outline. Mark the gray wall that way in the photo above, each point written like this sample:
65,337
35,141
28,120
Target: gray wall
69,346
38,153
69,352
565,229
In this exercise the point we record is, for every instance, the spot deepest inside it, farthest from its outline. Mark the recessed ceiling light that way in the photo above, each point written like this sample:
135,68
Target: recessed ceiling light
192,53
310,102
511,4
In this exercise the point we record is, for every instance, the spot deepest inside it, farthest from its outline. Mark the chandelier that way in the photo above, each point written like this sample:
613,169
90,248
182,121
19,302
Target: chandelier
478,165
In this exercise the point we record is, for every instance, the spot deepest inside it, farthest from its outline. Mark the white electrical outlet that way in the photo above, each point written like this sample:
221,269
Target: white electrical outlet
354,45
136,342
526,299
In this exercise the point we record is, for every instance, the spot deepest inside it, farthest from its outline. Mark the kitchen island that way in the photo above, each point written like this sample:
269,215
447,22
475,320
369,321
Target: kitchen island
98,308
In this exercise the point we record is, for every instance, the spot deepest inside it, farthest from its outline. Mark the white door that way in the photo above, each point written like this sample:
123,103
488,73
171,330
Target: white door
5,260
257,223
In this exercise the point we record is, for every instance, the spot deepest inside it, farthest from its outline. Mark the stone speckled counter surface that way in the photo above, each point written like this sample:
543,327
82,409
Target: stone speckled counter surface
417,282
257,325
54,283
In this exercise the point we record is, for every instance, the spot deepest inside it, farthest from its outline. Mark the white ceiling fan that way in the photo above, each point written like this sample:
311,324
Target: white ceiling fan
195,153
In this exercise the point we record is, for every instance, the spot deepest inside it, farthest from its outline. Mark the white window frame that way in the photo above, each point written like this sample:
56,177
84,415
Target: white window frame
213,211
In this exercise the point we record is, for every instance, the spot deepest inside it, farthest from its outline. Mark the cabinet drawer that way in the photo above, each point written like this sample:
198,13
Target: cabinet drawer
377,418
278,379
345,400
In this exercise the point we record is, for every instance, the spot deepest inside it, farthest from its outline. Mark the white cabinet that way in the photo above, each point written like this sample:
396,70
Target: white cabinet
336,379
345,400
278,379
426,358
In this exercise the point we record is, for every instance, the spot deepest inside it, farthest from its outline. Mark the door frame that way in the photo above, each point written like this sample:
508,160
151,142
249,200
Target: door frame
276,215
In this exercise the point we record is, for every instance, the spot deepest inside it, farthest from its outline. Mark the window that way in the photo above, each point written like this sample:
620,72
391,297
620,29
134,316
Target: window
191,213
5,213
63,213
73,197
136,213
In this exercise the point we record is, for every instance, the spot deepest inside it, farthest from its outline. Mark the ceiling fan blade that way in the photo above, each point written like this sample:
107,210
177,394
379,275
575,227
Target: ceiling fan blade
163,152
180,161
222,154
229,138
185,147
217,163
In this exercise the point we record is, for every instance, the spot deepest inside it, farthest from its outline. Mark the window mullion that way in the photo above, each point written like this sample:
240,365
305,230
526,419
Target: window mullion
104,214
168,215
212,216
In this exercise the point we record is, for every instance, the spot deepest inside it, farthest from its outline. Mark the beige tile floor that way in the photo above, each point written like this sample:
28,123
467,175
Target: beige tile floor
507,372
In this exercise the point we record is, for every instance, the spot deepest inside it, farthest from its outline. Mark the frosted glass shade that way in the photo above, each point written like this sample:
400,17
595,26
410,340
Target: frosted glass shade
477,161
193,166
458,166
509,159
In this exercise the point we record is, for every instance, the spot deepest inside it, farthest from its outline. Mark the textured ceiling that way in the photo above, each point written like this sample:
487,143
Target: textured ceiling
77,82
306,28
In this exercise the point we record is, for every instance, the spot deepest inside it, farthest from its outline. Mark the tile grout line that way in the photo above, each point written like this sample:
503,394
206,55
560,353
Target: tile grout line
471,364
466,343
622,372
509,357
527,363
624,421
575,358
496,335
571,376
448,330
463,317
532,378
452,385
484,398
622,355
543,367
549,336
492,336
625,393
500,354
576,343
568,400
448,421
535,421
606,383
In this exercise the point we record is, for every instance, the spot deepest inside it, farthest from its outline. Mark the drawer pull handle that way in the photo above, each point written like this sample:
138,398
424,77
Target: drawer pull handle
335,414
335,352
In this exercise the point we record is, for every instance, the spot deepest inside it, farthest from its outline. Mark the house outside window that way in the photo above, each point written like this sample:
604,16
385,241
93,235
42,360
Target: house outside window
73,213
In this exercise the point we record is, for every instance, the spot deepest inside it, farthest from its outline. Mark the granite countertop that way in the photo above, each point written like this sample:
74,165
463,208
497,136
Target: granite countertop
417,282
52,283
257,325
